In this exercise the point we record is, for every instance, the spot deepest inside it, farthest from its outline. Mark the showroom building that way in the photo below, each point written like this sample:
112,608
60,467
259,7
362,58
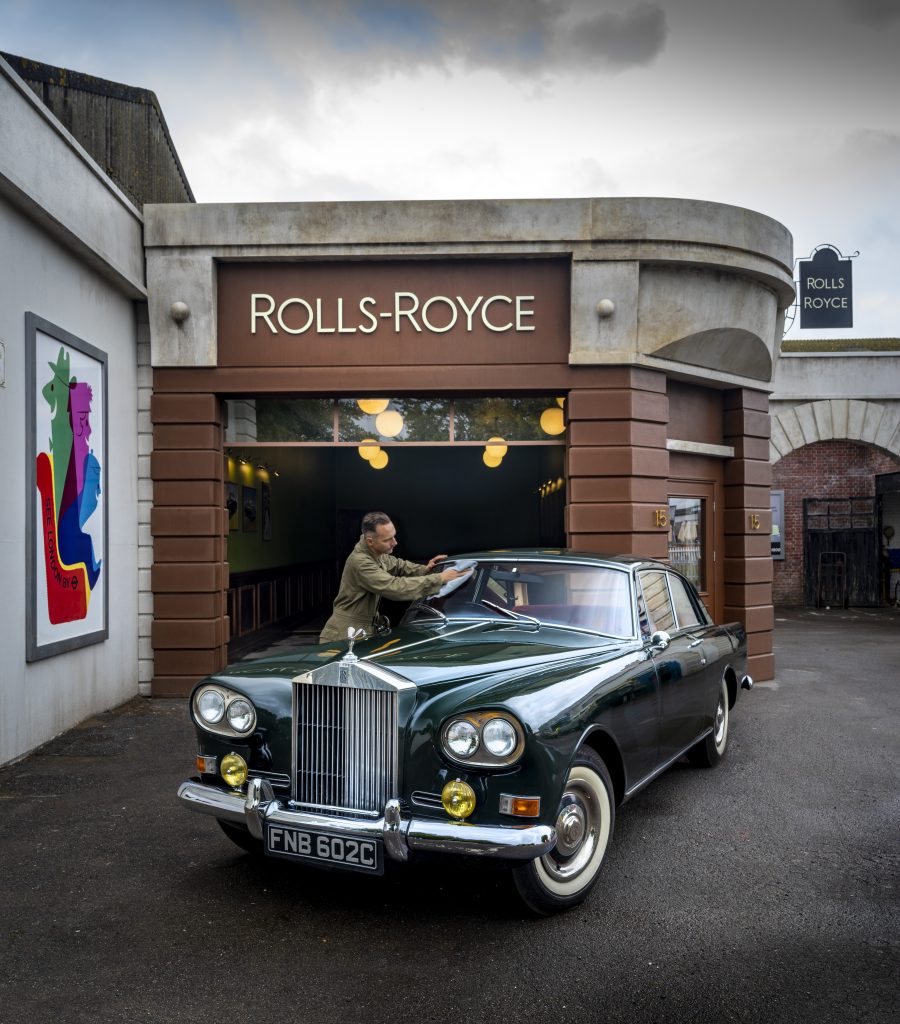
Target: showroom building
590,373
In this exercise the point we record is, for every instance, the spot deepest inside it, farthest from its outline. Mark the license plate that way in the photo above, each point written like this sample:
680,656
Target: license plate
325,847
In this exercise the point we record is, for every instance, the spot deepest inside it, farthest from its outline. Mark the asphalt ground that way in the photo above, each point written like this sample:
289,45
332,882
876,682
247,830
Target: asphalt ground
763,890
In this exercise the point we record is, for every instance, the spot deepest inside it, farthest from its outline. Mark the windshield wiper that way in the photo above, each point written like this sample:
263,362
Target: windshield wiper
515,616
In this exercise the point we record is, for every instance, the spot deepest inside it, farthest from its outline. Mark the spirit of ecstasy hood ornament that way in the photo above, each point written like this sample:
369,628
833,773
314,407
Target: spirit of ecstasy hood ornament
353,634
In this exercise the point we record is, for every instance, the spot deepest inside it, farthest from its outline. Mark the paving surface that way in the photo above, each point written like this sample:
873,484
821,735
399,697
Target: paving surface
765,890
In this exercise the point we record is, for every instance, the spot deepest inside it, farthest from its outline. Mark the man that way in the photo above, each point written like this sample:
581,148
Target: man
372,572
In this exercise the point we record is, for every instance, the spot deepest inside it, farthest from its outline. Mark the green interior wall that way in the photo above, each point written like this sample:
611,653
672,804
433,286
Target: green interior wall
302,509
440,499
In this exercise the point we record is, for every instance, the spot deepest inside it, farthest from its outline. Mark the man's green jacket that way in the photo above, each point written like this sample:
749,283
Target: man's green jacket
366,579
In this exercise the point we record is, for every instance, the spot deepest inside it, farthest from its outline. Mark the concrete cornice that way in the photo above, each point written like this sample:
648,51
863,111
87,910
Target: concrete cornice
291,229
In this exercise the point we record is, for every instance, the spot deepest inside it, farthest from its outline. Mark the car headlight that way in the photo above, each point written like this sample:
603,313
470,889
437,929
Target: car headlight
211,706
241,716
499,737
462,738
483,739
222,711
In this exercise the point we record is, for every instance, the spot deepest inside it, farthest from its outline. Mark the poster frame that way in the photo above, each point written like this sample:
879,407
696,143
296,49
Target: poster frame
35,573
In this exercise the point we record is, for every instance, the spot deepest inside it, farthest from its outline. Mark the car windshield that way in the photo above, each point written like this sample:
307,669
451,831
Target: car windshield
586,597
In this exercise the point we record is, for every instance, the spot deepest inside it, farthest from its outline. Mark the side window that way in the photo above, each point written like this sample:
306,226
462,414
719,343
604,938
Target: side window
685,611
656,598
643,618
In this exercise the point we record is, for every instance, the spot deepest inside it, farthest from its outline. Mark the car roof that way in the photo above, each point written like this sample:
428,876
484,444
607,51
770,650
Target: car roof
560,555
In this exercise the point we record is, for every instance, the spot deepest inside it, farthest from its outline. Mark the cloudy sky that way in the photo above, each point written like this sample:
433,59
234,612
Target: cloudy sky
789,107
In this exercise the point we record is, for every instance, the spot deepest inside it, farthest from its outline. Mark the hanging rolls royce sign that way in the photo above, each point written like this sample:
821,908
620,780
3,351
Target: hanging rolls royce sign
826,290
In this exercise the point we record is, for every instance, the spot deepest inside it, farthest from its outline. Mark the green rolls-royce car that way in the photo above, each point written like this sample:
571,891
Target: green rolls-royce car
506,717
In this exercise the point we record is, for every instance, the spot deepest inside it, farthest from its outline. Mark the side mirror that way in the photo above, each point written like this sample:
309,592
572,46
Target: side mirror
660,640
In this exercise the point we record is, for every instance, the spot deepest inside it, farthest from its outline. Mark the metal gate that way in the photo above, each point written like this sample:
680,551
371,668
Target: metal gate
841,549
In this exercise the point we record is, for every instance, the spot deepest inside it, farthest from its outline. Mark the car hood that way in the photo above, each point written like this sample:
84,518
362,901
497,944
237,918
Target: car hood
446,656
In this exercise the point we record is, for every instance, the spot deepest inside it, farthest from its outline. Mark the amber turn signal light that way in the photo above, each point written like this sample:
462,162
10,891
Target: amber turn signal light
520,806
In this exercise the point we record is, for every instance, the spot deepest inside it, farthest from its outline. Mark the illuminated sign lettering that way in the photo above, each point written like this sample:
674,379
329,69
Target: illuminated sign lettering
436,314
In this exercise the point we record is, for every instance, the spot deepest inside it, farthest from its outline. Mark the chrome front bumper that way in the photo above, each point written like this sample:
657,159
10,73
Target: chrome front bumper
400,834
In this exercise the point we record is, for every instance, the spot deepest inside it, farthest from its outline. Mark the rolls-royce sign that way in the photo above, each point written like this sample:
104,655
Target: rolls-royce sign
826,290
463,311
437,314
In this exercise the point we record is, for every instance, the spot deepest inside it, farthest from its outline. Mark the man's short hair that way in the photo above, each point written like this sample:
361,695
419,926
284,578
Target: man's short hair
372,520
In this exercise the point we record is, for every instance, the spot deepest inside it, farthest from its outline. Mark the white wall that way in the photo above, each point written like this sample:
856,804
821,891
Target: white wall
70,252
43,698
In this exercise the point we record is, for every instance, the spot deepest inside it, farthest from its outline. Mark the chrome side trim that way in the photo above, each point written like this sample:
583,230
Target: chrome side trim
424,799
399,835
277,779
664,767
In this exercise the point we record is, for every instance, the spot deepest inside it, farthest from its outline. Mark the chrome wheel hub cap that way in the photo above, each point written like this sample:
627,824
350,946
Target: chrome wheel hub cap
571,826
578,826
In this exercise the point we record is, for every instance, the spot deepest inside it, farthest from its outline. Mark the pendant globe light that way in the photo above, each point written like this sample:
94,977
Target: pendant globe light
373,406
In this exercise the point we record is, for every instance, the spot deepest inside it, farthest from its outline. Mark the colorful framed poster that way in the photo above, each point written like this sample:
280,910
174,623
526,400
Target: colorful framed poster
67,582
248,508
231,505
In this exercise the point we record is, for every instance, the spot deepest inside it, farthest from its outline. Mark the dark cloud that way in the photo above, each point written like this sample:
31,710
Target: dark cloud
509,36
873,12
619,40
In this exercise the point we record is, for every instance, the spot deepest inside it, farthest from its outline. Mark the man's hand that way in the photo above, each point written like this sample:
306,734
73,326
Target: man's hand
434,561
453,574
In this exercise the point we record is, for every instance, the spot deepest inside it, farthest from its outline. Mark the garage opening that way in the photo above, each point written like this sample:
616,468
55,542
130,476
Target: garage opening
455,475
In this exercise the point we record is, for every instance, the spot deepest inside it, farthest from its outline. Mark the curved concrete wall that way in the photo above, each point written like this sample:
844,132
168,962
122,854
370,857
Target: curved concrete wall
698,288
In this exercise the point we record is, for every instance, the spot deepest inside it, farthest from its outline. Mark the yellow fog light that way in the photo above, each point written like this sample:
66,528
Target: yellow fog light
234,770
458,799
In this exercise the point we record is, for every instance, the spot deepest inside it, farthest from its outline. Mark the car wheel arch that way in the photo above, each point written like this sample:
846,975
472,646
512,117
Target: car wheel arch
606,748
731,682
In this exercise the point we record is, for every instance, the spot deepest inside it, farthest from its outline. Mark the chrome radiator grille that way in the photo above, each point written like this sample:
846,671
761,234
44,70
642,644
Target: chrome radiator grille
346,748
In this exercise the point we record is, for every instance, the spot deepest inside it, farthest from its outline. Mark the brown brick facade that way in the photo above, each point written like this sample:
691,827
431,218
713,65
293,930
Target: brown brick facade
190,573
825,469
618,465
748,524
619,479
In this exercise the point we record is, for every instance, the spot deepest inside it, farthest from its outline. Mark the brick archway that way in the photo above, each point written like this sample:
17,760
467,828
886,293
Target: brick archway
834,419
